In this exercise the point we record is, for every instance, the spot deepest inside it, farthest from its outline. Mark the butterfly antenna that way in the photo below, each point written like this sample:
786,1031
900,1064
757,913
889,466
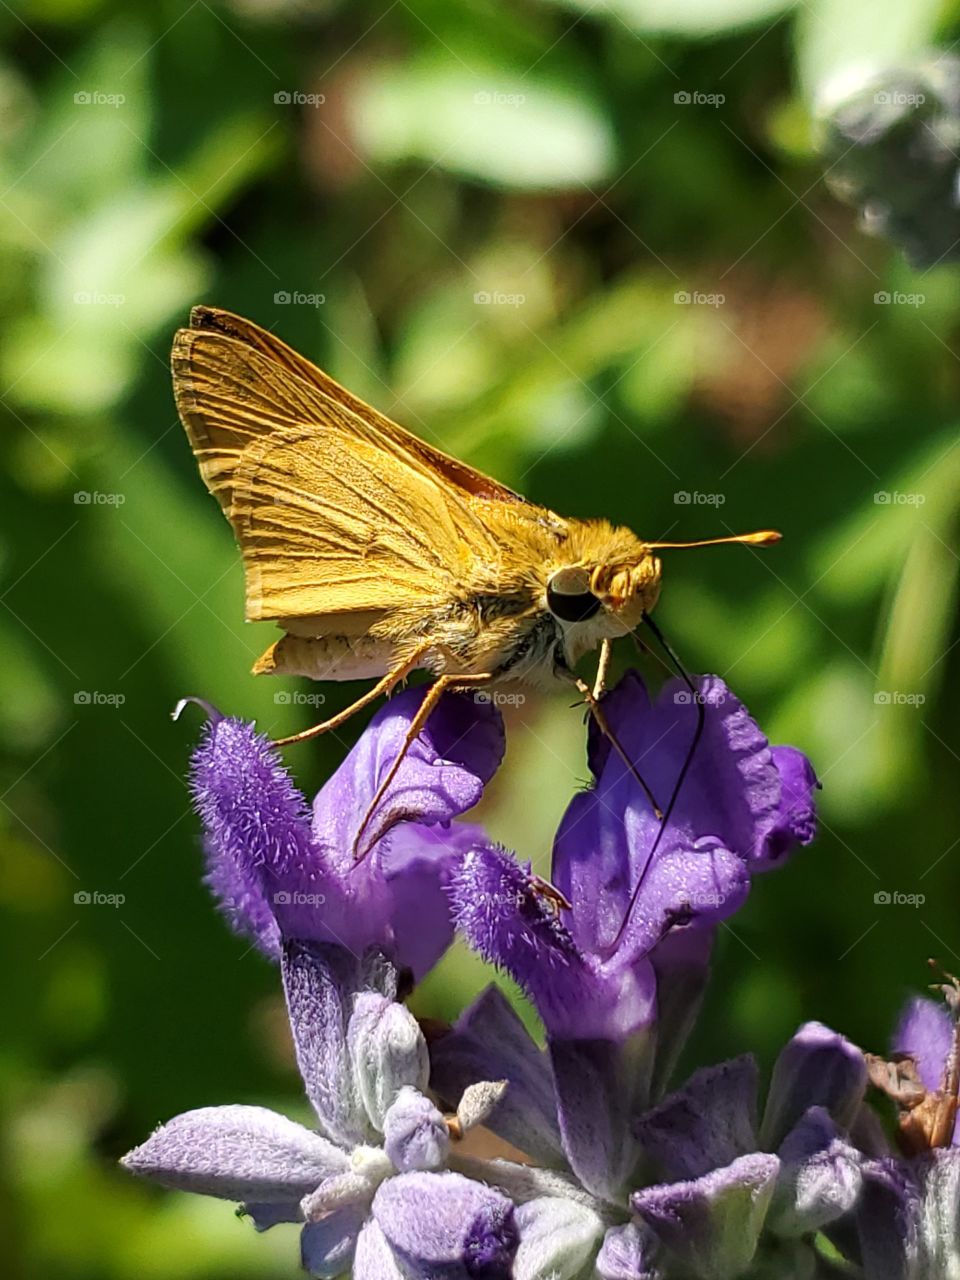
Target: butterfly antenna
697,700
762,538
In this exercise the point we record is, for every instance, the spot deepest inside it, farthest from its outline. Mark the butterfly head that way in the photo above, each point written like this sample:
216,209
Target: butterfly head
604,594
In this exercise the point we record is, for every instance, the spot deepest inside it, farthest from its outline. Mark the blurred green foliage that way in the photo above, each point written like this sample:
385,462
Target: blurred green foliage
484,217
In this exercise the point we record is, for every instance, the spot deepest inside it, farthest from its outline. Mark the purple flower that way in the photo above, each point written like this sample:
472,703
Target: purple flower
721,1199
617,978
592,971
279,871
712,1193
371,1185
690,1187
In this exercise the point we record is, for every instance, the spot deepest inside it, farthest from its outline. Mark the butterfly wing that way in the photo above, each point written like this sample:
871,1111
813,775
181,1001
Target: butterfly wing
334,515
467,479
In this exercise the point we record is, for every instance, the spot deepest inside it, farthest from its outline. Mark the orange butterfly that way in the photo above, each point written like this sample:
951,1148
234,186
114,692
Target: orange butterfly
377,554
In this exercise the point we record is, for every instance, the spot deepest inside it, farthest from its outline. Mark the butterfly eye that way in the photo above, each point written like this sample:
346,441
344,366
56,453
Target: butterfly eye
569,597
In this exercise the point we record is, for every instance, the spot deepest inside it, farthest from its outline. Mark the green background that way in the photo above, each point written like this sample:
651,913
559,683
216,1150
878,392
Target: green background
536,154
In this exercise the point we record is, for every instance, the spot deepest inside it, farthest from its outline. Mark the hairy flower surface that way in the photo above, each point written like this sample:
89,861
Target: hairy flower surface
279,870
371,1185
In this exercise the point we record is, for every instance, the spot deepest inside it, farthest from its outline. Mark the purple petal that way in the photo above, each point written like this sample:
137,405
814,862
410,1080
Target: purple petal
600,1086
681,964
319,982
417,863
374,1258
502,915
888,1221
442,1226
442,775
265,1216
263,864
628,1253
817,1067
236,1153
696,886
734,803
925,1032
794,820
706,1124
415,1136
489,1042
255,821
327,1247
558,1238
712,1225
395,896
820,1177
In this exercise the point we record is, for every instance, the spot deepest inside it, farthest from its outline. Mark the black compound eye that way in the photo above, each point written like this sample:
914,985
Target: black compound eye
572,608
569,598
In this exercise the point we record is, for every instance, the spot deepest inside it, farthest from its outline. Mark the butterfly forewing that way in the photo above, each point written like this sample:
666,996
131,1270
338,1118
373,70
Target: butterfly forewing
452,470
331,515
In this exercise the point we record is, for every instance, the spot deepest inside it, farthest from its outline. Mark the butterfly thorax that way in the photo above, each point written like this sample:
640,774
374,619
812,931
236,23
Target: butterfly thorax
558,589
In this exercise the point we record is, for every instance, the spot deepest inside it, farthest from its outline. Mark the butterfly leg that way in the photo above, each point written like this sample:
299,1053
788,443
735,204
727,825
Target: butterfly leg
603,666
434,693
596,710
385,685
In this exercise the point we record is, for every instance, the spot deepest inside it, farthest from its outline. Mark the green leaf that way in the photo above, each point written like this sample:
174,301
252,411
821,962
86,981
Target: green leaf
496,124
841,44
